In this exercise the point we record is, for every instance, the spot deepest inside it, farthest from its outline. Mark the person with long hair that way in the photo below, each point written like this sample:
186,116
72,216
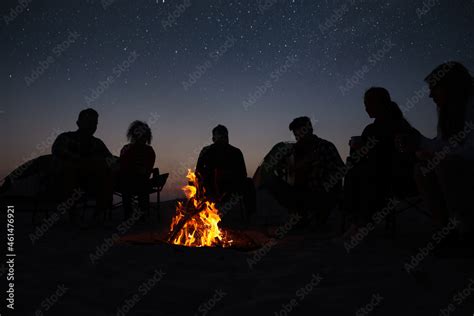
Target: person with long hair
445,176
136,165
376,169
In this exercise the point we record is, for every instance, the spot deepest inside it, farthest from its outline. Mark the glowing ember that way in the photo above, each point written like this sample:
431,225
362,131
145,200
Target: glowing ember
196,221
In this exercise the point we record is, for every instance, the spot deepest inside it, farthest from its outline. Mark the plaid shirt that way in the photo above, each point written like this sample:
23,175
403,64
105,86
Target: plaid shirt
317,160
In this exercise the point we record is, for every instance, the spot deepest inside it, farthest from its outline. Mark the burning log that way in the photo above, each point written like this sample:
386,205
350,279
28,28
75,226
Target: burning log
196,222
189,214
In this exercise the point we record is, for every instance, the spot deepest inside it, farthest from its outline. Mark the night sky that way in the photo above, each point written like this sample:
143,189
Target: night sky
186,66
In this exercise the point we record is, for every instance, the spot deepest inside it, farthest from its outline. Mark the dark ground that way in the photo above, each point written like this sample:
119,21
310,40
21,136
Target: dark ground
55,275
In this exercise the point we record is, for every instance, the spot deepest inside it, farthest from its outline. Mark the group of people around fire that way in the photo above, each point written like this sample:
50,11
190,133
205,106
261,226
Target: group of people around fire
390,159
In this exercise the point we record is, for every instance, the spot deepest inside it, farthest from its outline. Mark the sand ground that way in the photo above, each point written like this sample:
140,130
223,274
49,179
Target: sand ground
303,273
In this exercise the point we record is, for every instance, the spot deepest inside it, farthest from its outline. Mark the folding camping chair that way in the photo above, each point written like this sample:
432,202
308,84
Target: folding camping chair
156,184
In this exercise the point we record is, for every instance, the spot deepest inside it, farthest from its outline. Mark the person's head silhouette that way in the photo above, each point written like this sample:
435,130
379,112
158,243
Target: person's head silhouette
87,121
451,86
449,82
139,132
220,135
301,128
379,104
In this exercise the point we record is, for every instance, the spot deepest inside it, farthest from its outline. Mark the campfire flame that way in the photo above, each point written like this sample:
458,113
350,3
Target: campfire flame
196,221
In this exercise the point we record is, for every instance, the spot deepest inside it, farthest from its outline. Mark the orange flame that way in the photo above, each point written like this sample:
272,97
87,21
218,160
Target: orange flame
201,220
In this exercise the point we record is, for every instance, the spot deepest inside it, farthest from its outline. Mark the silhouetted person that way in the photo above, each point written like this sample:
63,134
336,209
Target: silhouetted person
221,162
222,172
445,177
378,169
136,164
315,161
83,161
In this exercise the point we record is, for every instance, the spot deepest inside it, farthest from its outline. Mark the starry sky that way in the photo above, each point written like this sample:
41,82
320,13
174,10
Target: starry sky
185,66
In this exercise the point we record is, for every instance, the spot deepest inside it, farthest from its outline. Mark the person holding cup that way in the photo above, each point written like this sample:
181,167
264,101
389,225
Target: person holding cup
376,166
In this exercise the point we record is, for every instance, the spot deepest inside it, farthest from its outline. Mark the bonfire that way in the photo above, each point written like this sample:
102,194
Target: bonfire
196,221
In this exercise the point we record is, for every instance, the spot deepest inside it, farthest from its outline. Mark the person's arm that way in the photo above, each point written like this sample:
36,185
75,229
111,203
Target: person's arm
426,144
102,150
335,162
334,165
460,145
124,158
370,131
463,145
202,167
200,162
